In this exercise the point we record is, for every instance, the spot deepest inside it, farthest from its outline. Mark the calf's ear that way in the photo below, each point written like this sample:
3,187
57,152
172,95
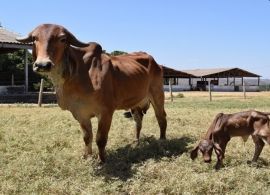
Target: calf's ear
217,149
194,153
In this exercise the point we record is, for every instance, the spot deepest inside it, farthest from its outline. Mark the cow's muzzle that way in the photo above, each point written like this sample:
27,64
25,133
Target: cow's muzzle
207,158
42,66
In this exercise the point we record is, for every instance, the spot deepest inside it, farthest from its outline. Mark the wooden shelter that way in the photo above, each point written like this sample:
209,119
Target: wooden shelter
9,44
218,77
174,75
218,73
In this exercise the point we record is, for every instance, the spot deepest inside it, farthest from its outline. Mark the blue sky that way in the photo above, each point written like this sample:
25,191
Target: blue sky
182,34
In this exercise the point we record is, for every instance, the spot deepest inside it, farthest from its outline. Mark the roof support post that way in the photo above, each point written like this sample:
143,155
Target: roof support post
258,81
26,69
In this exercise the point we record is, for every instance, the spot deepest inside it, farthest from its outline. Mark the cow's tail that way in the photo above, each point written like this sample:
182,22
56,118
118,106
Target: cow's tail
128,114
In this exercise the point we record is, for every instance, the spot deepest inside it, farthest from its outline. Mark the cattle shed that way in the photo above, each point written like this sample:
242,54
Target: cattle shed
175,76
8,44
221,79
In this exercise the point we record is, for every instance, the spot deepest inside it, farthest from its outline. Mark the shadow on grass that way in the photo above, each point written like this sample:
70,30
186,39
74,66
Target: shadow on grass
119,162
261,163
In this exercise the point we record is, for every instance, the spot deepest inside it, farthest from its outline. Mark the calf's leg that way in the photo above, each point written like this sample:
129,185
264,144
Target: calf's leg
259,144
220,152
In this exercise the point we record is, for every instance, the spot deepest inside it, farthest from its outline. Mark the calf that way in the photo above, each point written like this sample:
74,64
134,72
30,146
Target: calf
225,126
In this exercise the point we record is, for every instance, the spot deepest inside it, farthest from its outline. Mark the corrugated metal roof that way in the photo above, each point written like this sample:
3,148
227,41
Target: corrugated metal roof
221,72
9,37
205,72
169,72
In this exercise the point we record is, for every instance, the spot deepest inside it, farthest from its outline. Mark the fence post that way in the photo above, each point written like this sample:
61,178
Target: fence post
244,90
170,88
12,80
210,92
40,93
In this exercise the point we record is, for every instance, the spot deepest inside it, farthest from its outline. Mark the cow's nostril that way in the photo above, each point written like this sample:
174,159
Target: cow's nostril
48,65
42,66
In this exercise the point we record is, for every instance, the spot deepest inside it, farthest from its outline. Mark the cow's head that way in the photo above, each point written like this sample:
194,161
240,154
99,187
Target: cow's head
50,43
206,148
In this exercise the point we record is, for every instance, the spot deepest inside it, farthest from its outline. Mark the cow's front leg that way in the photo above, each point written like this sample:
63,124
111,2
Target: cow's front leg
87,137
104,124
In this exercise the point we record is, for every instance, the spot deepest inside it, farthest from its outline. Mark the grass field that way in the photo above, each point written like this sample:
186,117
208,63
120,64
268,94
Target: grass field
41,148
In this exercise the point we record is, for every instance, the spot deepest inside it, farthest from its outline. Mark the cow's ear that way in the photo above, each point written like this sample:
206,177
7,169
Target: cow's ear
34,55
194,153
93,50
98,69
72,40
68,65
95,73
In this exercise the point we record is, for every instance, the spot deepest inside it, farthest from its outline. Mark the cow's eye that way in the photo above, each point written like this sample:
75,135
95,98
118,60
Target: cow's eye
63,39
34,38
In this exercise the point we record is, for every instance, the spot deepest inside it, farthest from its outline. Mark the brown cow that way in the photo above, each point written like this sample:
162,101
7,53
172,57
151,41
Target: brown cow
90,84
225,126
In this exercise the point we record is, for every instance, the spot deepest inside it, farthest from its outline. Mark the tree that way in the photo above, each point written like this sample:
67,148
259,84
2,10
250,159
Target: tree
114,53
13,64
117,53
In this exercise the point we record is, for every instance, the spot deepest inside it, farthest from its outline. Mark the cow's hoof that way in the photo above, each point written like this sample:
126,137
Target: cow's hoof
218,166
102,159
135,142
87,156
252,163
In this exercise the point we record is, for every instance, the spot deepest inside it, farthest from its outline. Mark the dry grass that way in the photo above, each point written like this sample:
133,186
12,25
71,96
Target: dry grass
40,152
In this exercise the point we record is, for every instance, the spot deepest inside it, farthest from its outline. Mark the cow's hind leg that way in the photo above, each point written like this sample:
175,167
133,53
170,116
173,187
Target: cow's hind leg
259,144
87,137
138,117
104,124
157,101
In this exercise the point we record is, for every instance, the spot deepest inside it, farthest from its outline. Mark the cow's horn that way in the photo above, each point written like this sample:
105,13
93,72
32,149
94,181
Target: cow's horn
74,41
26,39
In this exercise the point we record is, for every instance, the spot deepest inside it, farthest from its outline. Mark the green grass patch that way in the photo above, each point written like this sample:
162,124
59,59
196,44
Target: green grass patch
41,148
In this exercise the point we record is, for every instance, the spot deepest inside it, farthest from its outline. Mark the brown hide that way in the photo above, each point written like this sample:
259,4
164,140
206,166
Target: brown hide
89,83
225,126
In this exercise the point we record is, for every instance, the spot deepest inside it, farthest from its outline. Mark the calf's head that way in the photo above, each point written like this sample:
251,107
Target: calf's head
206,147
50,45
